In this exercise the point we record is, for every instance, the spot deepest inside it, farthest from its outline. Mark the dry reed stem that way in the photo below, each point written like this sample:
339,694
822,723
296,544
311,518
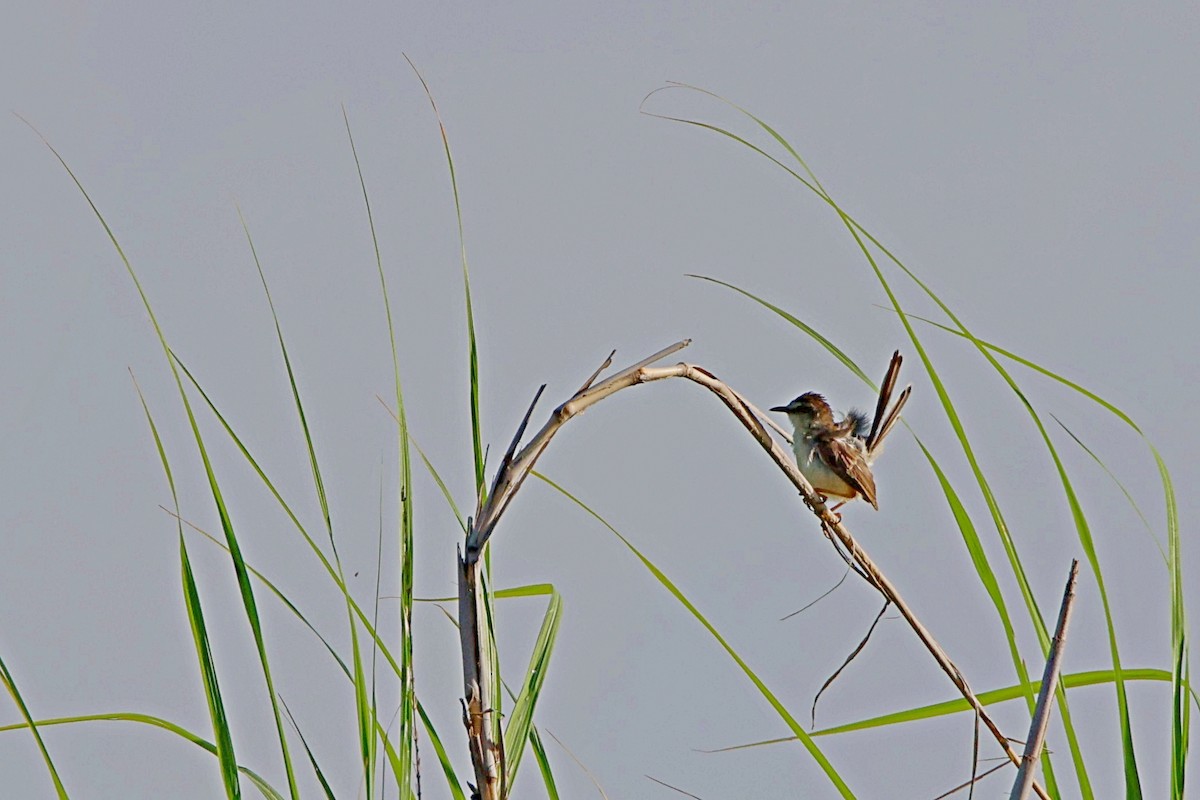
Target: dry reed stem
514,470
1041,713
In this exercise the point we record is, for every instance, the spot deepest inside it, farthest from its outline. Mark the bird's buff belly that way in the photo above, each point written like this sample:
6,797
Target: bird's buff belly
822,478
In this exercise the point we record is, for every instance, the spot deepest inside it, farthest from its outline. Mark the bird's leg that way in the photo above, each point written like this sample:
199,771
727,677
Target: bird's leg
833,511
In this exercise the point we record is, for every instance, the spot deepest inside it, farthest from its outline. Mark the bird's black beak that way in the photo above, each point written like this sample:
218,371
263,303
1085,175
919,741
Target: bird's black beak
783,409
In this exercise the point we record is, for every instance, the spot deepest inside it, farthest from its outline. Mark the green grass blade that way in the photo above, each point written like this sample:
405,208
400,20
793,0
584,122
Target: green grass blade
208,671
1180,717
473,354
966,526
364,711
520,719
11,686
312,759
802,735
407,735
539,754
369,628
1128,496
154,722
858,233
443,760
462,523
960,705
226,524
212,690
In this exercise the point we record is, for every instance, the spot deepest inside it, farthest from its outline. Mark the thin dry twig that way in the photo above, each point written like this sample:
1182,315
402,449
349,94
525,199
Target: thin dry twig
853,655
812,603
1041,713
674,788
971,783
510,477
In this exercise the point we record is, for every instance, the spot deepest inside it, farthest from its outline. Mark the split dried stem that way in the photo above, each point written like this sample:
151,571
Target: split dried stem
515,470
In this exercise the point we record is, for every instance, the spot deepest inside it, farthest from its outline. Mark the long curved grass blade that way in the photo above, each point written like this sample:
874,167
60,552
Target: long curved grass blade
966,526
407,735
528,590
476,426
312,759
363,707
855,229
245,590
1180,716
1128,496
539,754
208,673
960,705
11,686
826,766
520,719
368,626
155,722
208,670
1132,781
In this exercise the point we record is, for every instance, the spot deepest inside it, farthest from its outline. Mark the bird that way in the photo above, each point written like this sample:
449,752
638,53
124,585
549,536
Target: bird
836,456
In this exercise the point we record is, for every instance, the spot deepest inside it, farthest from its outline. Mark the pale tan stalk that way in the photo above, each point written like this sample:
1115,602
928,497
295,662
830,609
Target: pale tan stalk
515,468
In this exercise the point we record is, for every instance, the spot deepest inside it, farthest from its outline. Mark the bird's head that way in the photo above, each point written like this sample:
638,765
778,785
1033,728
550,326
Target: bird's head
807,411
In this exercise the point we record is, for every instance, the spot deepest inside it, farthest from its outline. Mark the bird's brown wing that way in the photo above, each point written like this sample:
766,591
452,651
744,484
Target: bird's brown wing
849,464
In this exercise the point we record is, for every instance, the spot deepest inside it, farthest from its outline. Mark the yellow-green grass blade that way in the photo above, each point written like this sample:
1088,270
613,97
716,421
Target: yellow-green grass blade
408,731
208,671
155,722
443,759
960,705
441,485
966,526
363,706
245,590
11,686
814,751
1128,496
1181,714
539,754
855,229
368,627
528,590
473,354
312,759
363,619
520,719
490,656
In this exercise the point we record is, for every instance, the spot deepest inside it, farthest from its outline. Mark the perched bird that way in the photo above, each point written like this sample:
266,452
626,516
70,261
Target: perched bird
836,457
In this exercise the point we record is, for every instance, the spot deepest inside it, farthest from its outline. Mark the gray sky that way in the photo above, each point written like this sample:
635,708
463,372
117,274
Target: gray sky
1036,166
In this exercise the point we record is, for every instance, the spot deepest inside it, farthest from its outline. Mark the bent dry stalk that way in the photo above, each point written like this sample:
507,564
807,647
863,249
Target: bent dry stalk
478,684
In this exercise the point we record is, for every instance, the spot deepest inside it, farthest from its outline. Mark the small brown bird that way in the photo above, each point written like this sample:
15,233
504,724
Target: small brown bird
836,457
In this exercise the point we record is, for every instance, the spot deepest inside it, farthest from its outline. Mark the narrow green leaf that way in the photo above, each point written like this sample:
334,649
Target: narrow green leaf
473,354
244,587
443,759
539,753
802,735
363,709
407,716
11,686
520,719
155,722
960,704
312,759
208,671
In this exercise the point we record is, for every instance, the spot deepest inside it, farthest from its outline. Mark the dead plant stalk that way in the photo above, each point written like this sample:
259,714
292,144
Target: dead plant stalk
485,746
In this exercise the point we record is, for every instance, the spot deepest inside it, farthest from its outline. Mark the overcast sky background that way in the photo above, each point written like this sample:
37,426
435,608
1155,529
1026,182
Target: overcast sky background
1035,165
